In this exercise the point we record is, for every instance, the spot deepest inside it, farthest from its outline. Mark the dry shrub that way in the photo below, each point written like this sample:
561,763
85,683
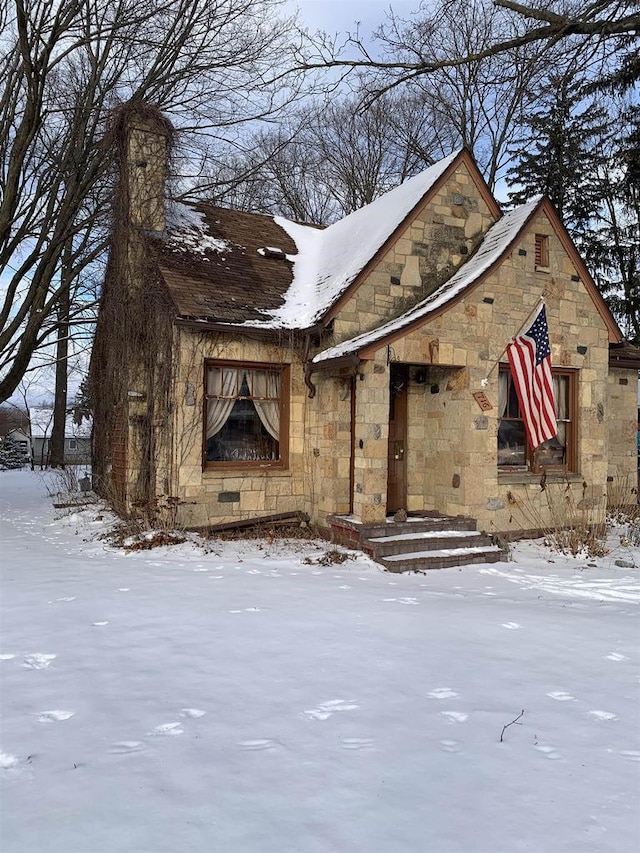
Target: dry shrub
623,511
570,520
622,500
332,557
156,540
298,530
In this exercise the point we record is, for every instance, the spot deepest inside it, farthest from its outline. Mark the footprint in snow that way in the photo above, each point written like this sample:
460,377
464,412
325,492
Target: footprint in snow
616,656
124,588
603,715
37,661
356,743
192,713
442,693
7,657
99,624
511,625
166,729
327,709
259,745
54,716
561,696
125,747
7,761
402,600
549,752
455,716
450,746
67,598
629,754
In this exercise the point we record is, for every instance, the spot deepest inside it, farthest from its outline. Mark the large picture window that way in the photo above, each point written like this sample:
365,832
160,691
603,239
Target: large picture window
514,451
246,419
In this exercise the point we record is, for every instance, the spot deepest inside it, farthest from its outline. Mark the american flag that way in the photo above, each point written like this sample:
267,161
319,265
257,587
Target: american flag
530,359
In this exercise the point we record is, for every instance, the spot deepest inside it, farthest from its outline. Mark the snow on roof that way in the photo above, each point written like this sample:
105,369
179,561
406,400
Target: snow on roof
495,243
42,423
187,230
329,260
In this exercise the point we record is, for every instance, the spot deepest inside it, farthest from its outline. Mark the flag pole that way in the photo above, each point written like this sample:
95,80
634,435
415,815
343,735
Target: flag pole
535,308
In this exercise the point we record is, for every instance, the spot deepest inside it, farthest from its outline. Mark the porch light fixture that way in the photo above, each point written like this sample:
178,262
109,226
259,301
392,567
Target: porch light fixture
421,377
582,350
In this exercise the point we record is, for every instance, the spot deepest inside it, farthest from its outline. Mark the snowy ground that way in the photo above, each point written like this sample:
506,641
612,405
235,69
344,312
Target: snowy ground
243,701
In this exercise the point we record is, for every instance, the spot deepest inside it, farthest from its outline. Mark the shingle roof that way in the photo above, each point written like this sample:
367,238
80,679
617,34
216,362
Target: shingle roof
625,355
210,262
214,262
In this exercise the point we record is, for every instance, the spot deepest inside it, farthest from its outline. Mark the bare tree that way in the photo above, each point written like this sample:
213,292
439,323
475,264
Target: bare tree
65,64
330,158
539,22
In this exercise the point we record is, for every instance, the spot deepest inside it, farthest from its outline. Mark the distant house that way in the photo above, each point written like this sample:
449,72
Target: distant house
247,365
77,438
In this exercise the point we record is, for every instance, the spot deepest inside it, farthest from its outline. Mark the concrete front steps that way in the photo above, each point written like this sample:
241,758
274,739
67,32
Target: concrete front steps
419,543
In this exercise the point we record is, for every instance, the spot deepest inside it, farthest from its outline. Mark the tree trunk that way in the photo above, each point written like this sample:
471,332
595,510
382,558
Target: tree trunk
56,447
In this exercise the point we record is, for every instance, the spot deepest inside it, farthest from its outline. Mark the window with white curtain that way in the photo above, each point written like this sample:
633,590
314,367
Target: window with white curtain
514,451
244,420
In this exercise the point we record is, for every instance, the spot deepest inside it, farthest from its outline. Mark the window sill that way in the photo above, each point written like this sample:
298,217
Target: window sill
244,470
546,270
513,478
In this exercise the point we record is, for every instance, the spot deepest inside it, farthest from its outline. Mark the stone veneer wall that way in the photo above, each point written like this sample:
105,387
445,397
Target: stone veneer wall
622,425
261,491
327,430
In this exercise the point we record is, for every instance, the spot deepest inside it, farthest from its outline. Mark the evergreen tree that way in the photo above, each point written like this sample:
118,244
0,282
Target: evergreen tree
587,160
11,456
560,155
612,250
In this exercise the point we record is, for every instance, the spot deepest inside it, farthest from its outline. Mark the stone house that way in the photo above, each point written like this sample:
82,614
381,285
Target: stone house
246,365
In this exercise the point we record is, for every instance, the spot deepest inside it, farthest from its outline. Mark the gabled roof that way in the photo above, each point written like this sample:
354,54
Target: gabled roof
41,420
329,261
223,266
495,246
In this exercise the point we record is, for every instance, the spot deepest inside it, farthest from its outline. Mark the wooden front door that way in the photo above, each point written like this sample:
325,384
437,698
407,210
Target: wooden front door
397,455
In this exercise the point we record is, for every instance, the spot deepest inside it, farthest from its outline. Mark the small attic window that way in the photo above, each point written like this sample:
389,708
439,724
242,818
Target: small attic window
542,251
272,252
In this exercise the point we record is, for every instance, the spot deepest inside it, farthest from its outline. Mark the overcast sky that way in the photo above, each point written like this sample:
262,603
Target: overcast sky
341,15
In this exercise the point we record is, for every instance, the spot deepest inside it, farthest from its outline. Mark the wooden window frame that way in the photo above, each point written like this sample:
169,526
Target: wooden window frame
282,463
570,466
542,251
